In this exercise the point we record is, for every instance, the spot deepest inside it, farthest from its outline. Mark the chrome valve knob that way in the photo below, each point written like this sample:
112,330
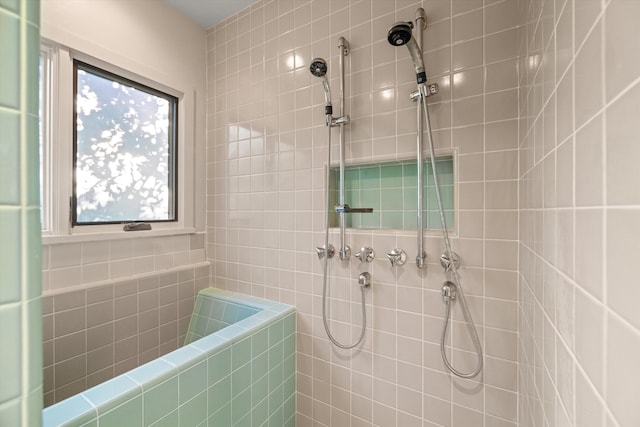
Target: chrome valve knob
366,254
397,257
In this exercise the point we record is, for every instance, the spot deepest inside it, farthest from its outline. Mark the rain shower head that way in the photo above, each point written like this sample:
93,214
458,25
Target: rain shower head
319,68
401,34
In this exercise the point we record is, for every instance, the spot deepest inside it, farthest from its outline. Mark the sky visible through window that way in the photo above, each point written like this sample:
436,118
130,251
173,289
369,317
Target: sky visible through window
124,150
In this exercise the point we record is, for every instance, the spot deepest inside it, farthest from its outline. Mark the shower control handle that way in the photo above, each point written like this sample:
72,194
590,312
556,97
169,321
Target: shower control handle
366,254
397,257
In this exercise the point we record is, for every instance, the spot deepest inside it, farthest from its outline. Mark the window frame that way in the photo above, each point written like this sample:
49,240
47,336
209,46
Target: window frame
59,178
173,142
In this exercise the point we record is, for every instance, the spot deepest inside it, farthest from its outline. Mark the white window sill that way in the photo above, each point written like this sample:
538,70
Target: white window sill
114,235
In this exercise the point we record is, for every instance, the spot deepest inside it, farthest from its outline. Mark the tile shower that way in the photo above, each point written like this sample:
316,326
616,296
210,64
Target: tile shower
266,155
538,105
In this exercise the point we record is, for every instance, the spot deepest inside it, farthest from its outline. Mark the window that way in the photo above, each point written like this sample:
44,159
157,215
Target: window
124,150
117,145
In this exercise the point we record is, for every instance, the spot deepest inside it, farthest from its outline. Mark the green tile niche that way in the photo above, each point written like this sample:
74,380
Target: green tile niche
390,188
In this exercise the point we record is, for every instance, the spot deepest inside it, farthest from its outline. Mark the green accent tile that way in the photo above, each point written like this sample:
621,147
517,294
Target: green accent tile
33,248
110,394
276,374
219,365
34,326
128,414
244,422
9,153
275,333
410,199
31,172
370,198
289,325
222,417
371,220
275,402
390,199
33,12
410,174
260,389
391,176
10,413
260,412
241,379
170,420
193,381
194,412
289,410
289,345
152,373
10,225
392,219
219,394
259,342
11,5
289,366
370,177
10,352
32,73
70,412
10,61
241,353
240,405
160,400
92,423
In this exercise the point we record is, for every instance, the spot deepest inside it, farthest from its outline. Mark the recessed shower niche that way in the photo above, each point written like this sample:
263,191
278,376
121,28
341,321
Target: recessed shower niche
390,188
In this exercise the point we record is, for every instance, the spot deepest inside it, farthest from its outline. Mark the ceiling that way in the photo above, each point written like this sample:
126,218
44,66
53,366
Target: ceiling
207,13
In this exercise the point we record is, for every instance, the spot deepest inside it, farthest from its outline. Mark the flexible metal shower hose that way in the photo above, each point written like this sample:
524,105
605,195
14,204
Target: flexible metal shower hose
463,302
325,270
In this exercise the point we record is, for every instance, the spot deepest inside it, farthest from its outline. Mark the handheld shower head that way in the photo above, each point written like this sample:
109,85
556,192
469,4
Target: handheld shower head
319,68
401,34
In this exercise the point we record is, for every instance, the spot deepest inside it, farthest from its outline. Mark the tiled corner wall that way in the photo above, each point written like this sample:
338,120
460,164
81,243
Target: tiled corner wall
579,340
68,265
266,151
95,333
20,325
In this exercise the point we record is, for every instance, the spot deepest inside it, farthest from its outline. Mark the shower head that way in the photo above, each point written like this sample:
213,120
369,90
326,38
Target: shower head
401,34
319,68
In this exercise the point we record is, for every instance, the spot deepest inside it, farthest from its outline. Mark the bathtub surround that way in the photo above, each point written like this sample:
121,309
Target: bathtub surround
20,282
243,374
579,341
266,150
97,332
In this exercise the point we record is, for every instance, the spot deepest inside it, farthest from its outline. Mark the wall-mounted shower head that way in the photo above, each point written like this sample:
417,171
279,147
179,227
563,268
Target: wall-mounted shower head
319,68
401,34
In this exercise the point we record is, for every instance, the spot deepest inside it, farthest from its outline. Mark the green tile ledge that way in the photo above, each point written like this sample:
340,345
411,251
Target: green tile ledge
272,320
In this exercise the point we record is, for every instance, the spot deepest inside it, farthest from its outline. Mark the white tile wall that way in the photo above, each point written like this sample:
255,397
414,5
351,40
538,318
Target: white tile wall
67,265
266,152
579,103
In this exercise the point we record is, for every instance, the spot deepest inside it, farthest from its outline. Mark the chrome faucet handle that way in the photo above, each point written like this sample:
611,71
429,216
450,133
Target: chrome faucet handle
366,254
397,257
445,262
321,251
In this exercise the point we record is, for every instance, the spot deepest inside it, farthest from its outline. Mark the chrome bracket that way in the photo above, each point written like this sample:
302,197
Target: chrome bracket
421,260
340,121
345,253
448,291
364,279
427,91
344,44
